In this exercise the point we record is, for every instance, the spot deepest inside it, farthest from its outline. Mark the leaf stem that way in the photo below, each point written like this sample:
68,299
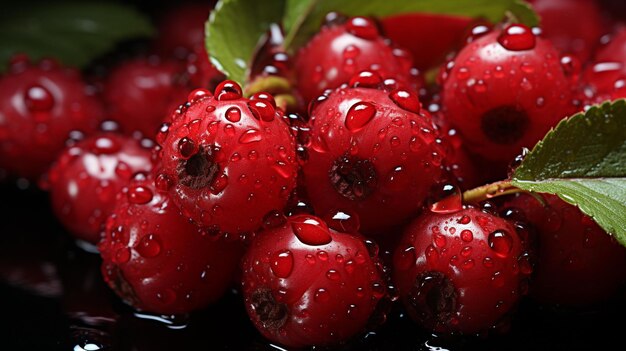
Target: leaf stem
489,191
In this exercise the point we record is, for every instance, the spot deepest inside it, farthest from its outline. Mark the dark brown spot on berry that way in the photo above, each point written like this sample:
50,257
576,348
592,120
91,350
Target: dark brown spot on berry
433,299
121,286
199,170
352,177
270,313
504,124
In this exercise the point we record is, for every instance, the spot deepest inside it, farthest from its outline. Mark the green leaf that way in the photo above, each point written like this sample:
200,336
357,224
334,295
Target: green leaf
583,161
234,31
304,17
74,33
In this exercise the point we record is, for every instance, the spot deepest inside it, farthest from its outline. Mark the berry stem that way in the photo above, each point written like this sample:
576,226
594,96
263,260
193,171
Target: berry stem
489,191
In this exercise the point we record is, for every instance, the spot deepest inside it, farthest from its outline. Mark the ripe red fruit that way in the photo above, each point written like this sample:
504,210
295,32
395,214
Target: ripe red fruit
307,285
574,27
414,32
504,90
578,263
181,28
228,160
605,77
339,51
159,262
372,152
141,93
39,106
87,176
461,271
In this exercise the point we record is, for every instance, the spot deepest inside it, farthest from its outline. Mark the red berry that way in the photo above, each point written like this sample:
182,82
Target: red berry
504,90
307,285
143,92
230,160
159,262
338,52
605,77
574,27
87,176
39,106
578,263
181,29
414,31
371,152
461,271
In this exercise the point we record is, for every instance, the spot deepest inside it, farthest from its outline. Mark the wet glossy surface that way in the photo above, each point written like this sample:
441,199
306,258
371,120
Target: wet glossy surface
53,298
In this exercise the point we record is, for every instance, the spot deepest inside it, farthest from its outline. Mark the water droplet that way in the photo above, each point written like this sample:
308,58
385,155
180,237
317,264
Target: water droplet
362,27
449,200
219,184
466,235
517,37
262,110
163,182
250,136
233,114
139,195
333,275
343,221
465,219
310,230
228,90
439,240
149,246
198,95
186,148
406,100
282,263
167,296
359,115
322,295
497,279
38,98
500,242
122,255
366,79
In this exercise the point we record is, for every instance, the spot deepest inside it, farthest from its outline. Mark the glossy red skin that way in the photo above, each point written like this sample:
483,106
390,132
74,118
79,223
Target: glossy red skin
31,138
185,270
87,176
258,175
182,27
414,32
541,77
313,317
578,263
574,27
321,64
605,77
479,288
397,195
141,93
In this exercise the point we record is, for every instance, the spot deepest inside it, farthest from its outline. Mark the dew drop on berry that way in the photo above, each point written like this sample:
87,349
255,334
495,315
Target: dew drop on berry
406,99
228,90
448,199
322,295
250,136
139,195
517,37
351,311
333,275
219,184
282,169
122,255
322,255
233,114
38,98
105,145
163,182
198,95
310,231
359,115
273,219
439,240
167,296
281,263
500,242
497,279
366,79
262,110
467,235
362,27
149,246
186,147
343,221
488,262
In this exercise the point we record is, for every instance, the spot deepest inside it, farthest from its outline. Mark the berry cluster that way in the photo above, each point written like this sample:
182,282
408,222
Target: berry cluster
328,212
